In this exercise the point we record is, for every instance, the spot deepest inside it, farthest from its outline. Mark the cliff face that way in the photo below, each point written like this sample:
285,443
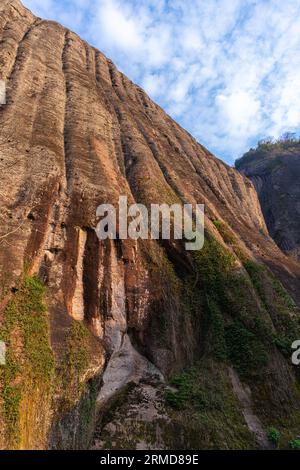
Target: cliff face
95,330
274,170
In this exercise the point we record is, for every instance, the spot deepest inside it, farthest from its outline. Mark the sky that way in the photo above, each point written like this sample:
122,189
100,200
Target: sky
227,70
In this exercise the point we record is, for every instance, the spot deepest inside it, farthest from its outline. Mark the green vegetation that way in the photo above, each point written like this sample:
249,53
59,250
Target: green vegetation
74,362
277,304
180,398
236,330
245,350
241,327
225,232
88,405
189,393
294,444
217,325
282,294
280,416
77,355
28,380
229,238
206,291
288,329
268,146
263,280
233,309
255,272
240,314
205,408
200,411
274,436
213,265
30,362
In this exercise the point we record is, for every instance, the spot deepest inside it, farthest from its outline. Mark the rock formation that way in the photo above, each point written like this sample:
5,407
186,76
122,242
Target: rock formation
128,344
274,169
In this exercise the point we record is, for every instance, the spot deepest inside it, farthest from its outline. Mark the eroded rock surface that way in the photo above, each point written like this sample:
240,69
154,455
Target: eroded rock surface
275,173
124,316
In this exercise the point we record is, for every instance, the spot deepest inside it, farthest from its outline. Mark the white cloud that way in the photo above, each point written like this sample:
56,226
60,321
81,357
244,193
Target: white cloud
228,70
238,110
119,29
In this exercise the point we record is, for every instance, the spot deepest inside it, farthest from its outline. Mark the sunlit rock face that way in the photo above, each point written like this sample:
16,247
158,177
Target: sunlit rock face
97,327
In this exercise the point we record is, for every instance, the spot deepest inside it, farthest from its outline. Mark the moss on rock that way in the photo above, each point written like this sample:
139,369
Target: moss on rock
29,368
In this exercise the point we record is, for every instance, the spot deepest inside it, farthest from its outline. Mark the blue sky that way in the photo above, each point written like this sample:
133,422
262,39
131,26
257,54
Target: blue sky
227,70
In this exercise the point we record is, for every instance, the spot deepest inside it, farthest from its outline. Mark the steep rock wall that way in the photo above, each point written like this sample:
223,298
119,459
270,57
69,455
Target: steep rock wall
275,173
76,133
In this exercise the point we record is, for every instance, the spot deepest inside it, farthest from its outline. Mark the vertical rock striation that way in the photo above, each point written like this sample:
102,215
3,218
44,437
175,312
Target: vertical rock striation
125,316
274,170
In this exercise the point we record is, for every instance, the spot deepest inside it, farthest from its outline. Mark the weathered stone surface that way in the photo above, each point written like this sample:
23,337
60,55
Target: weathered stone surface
76,133
275,173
